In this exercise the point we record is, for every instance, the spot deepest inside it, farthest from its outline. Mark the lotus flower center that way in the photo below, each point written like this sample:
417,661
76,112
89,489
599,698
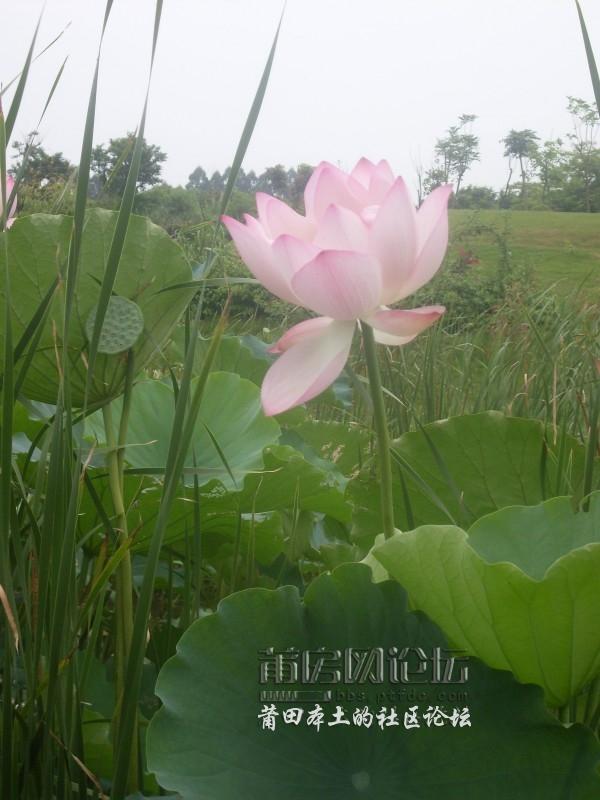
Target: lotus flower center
361,781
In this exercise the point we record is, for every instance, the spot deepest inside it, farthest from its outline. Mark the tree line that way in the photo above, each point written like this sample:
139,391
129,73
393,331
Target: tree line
561,174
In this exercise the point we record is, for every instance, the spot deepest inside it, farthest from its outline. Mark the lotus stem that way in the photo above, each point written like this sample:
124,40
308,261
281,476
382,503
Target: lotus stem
381,431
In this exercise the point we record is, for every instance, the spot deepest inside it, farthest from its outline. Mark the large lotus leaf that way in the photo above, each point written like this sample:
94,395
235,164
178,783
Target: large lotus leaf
38,247
459,469
536,537
229,437
521,592
249,356
289,480
263,533
207,743
245,355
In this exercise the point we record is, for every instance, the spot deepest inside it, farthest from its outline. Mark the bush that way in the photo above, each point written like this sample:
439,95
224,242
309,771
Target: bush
171,207
475,197
467,289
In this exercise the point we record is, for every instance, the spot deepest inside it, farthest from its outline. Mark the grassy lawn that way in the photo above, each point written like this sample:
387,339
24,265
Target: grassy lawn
562,249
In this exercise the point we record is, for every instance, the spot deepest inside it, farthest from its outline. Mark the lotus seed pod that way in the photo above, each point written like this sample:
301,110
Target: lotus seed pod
123,323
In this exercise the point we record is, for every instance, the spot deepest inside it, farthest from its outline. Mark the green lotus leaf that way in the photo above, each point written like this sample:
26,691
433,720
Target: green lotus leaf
37,248
262,534
521,591
245,355
230,434
286,481
97,743
457,470
207,742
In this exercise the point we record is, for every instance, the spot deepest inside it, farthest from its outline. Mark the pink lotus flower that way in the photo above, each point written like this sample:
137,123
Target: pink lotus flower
11,214
361,247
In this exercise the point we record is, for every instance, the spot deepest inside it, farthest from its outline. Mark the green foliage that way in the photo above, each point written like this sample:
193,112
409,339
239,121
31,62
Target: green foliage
519,591
208,718
287,184
245,356
245,301
170,207
461,469
37,168
559,249
198,179
475,197
112,545
522,145
56,197
550,161
230,434
274,181
468,291
111,163
38,246
455,154
46,181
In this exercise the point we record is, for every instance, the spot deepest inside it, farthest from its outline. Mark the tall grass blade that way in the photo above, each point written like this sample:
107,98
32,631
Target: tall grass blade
7,86
6,746
186,412
592,446
125,211
421,483
18,96
250,121
590,56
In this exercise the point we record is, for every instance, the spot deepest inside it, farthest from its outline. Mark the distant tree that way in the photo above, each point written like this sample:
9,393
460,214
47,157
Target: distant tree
521,145
286,184
110,164
476,197
241,203
297,184
198,179
549,162
216,182
455,154
274,181
39,167
171,207
209,192
584,160
247,182
420,175
243,182
226,176
464,148
434,176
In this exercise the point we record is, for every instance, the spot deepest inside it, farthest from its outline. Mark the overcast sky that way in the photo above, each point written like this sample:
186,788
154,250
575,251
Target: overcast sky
381,78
